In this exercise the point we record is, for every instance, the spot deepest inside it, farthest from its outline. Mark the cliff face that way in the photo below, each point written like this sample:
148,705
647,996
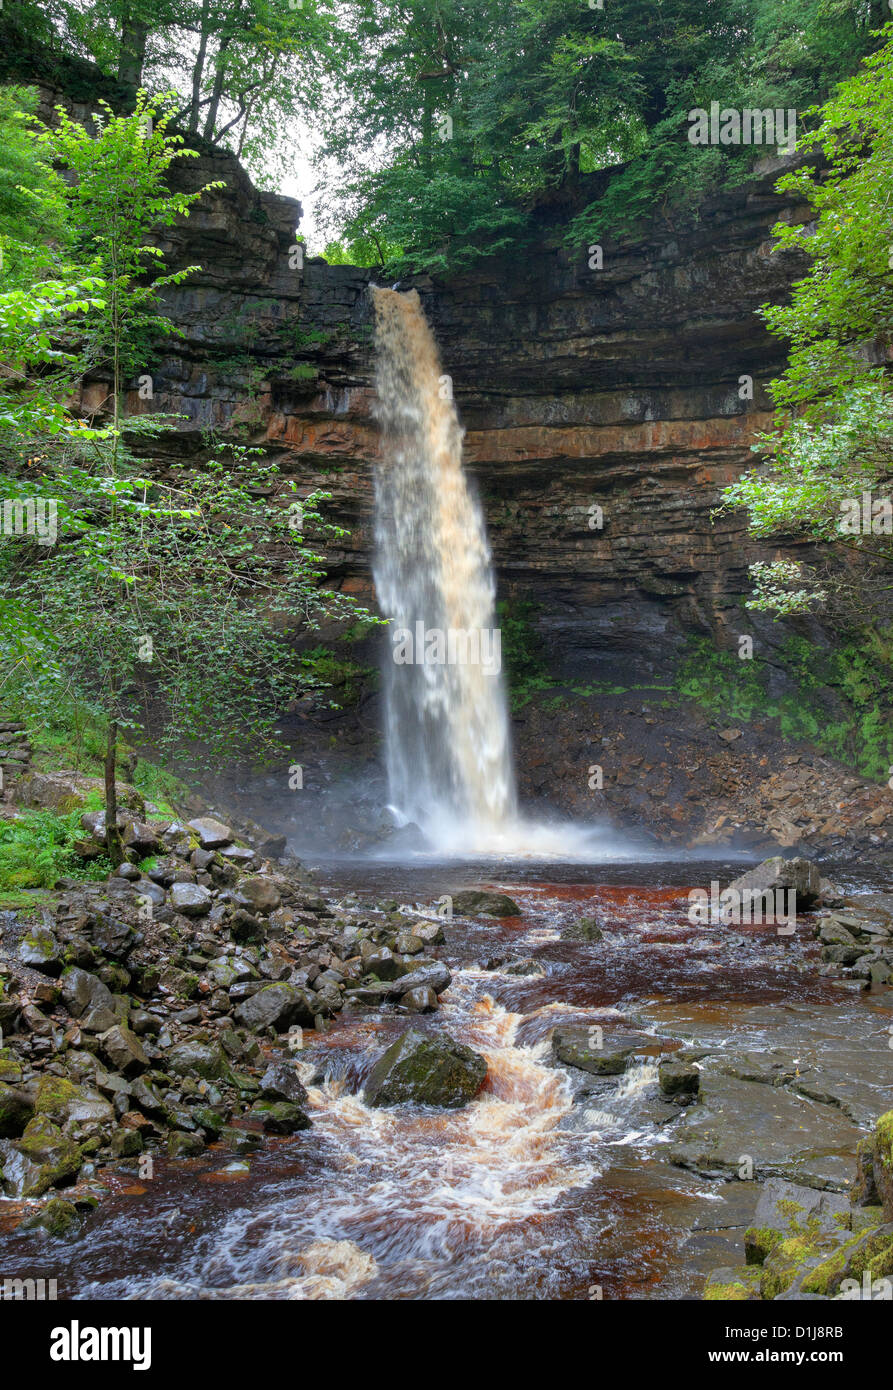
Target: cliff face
623,388
580,389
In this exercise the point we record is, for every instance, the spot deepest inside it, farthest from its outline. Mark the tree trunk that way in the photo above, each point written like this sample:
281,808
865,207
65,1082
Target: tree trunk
112,833
216,91
199,68
132,54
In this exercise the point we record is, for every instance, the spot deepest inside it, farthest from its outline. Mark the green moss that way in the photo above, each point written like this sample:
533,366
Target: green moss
759,1242
744,1287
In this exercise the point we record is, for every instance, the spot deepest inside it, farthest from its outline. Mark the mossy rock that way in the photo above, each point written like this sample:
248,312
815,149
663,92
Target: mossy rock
280,1116
738,1285
759,1242
870,1252
16,1110
59,1218
10,1067
39,1160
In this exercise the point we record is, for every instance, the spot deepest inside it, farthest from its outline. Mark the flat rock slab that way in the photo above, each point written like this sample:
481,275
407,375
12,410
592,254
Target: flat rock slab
601,1051
780,1133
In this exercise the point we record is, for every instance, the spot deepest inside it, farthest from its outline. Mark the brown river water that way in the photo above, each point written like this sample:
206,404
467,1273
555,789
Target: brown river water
524,1194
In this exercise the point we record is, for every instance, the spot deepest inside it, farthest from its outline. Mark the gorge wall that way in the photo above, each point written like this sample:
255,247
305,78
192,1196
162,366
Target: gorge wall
613,388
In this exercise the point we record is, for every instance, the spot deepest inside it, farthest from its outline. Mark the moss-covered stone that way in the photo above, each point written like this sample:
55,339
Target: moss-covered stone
40,1159
759,1242
16,1110
58,1218
870,1252
741,1285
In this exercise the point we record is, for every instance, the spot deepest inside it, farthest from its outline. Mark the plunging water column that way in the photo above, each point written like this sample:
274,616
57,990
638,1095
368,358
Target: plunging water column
446,722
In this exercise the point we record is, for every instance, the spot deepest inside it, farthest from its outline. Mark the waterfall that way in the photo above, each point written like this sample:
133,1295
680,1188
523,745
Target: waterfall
447,740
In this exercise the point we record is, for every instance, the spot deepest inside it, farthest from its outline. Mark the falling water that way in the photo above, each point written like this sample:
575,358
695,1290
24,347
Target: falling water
447,733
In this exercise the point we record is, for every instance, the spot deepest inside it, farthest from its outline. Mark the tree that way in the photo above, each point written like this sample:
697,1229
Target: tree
167,605
834,420
118,197
143,599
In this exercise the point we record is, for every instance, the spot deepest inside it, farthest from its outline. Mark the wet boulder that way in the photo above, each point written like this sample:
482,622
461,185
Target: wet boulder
278,1006
477,902
82,991
601,1052
123,1051
41,1159
63,1101
197,1057
801,875
280,1082
422,1070
280,1116
16,1109
433,975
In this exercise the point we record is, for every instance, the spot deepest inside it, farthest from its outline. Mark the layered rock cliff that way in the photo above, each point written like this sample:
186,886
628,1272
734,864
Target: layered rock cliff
604,409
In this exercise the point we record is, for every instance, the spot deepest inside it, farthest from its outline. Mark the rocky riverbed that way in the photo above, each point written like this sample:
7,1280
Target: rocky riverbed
534,1089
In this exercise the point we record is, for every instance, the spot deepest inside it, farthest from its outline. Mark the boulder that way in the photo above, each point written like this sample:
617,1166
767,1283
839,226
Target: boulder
280,1116
578,1046
123,1051
82,991
422,1070
41,1159
278,1006
211,833
434,976
777,872
261,894
16,1109
40,950
62,1101
195,1057
477,902
280,1082
192,899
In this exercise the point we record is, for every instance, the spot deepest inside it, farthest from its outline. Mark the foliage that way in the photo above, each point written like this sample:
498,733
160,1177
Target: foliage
840,699
37,848
834,423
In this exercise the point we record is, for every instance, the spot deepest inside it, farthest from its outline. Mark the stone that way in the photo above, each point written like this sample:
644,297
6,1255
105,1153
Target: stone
42,1158
82,991
280,1116
16,1109
40,950
778,873
477,902
434,976
278,1006
211,833
225,971
261,893
679,1078
195,1057
192,899
113,938
63,1101
422,1070
123,1051
59,1218
182,1144
280,1081
577,1046
421,1000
